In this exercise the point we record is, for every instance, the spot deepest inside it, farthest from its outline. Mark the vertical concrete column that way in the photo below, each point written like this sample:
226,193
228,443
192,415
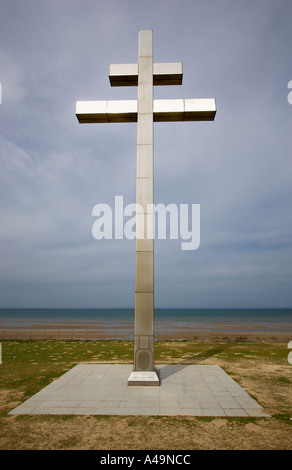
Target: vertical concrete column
144,274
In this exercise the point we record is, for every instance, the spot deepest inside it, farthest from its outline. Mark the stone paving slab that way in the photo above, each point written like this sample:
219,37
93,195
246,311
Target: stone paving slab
102,389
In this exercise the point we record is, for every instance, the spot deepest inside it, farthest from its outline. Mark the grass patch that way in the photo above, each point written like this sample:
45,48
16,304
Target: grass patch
196,351
260,367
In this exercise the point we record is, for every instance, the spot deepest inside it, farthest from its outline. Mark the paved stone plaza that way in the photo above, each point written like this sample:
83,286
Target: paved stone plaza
102,389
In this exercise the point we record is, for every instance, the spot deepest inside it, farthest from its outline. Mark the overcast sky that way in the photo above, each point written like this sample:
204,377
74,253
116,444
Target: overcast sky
54,170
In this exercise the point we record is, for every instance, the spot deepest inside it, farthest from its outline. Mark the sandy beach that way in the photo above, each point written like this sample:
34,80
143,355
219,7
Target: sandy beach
163,330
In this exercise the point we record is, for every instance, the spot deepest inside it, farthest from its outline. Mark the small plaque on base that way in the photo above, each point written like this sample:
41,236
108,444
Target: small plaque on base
140,377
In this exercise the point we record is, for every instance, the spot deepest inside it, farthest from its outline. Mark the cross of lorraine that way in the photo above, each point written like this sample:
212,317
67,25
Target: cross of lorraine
145,111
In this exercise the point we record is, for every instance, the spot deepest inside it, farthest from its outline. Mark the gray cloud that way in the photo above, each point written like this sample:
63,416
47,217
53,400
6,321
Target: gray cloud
54,170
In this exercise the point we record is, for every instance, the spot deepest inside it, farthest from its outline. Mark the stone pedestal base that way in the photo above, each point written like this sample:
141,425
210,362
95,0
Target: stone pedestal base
143,378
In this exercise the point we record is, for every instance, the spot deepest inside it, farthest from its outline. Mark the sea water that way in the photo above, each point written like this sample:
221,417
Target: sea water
269,319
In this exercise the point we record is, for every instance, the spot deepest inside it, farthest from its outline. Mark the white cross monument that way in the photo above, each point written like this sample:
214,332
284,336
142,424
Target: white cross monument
145,111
